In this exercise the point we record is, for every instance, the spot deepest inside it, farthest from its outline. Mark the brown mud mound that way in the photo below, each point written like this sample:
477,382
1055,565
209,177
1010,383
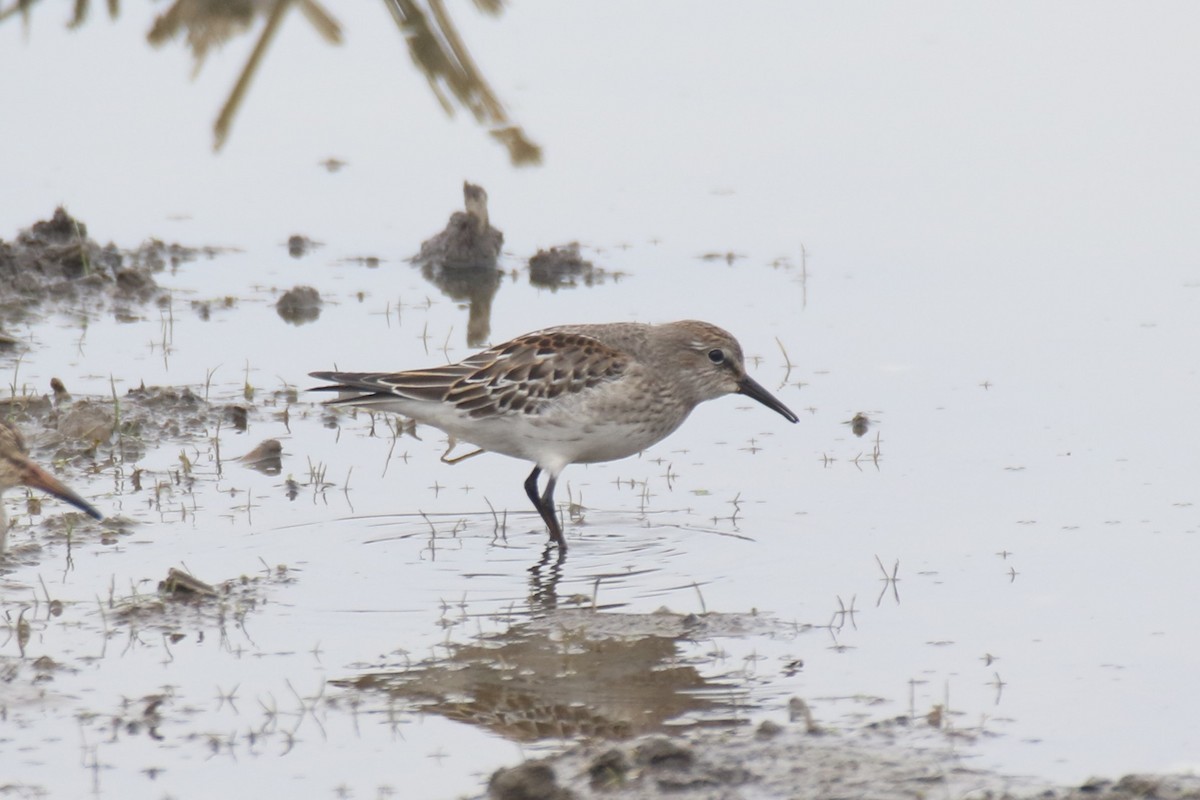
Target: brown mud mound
55,260
564,267
88,432
88,436
887,762
299,305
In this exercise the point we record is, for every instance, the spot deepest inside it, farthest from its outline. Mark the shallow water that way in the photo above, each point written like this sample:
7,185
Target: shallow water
971,225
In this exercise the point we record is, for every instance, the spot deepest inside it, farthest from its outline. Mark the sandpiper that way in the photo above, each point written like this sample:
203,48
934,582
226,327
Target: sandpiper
574,394
17,470
468,240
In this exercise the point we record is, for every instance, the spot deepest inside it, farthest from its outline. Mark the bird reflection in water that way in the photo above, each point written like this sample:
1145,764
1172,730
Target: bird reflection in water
571,673
461,262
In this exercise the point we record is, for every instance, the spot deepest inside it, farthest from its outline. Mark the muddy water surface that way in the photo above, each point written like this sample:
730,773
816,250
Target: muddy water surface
1003,558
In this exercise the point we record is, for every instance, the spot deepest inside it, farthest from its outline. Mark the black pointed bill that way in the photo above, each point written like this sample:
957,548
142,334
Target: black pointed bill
36,477
752,388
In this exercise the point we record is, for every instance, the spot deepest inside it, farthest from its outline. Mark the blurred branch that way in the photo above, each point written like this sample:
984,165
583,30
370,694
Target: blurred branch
230,109
210,23
433,43
438,51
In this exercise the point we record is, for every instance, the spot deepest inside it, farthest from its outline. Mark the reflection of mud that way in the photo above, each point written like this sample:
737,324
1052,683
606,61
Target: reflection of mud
564,267
571,673
56,261
299,305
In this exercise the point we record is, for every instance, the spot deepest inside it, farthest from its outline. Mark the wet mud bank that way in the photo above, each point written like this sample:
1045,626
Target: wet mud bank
56,261
497,683
894,760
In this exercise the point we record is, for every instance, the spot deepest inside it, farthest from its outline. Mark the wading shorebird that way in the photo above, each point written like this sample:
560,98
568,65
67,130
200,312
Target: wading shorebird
17,470
574,394
468,240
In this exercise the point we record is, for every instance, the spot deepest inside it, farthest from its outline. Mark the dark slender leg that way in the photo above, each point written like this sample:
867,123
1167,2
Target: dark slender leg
549,511
531,488
545,506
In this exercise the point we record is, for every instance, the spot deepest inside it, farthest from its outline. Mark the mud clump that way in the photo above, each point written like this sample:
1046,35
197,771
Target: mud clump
76,429
663,753
299,246
48,258
608,770
56,260
87,421
564,267
891,762
134,284
299,305
533,780
156,413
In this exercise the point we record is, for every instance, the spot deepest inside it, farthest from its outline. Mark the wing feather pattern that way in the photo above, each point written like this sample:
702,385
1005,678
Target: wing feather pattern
518,376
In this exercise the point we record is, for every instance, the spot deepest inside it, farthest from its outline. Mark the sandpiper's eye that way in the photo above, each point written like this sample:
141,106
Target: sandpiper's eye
716,356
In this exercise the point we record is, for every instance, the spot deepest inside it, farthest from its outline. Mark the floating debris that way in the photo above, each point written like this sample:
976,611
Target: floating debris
180,584
266,457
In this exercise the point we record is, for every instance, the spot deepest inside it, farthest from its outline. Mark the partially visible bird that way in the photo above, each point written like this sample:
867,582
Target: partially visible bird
17,470
575,394
468,240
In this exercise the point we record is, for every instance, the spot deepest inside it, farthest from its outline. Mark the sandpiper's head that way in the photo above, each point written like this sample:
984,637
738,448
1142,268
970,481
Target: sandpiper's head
714,359
17,470
475,200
